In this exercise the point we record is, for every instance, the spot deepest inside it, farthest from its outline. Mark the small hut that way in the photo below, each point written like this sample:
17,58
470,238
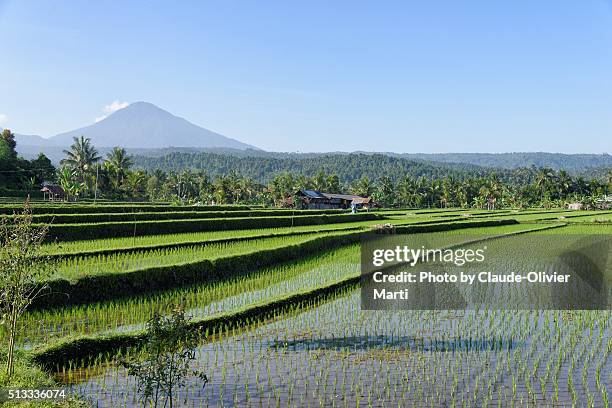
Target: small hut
313,199
363,202
53,192
574,206
491,203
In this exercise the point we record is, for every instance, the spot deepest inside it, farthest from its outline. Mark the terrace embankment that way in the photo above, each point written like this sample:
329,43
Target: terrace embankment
113,285
85,348
146,215
72,232
90,287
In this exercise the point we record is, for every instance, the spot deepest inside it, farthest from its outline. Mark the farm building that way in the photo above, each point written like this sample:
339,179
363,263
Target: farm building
313,199
53,192
604,203
574,206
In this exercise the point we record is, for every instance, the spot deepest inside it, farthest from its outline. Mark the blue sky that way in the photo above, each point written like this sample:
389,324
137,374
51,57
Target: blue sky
405,76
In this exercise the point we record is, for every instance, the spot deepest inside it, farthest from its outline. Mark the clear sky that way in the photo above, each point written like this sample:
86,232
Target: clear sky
403,76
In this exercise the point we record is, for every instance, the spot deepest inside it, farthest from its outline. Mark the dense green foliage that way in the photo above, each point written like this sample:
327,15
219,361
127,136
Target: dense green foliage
391,181
17,173
246,162
574,163
269,179
348,167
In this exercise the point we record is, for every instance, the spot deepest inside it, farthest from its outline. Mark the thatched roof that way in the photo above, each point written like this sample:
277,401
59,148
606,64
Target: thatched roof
54,190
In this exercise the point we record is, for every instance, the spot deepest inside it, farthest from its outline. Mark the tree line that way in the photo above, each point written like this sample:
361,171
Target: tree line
17,173
84,173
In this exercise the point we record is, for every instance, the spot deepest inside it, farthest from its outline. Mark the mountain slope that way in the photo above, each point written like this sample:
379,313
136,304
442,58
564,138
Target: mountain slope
143,124
31,140
348,167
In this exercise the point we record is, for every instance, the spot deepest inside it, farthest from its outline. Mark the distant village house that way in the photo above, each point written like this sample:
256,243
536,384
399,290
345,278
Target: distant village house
574,206
53,192
313,199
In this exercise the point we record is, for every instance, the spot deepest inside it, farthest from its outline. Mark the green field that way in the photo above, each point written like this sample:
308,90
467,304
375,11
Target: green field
276,299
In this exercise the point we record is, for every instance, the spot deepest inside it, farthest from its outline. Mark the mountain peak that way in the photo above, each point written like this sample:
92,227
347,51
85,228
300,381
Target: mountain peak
145,125
142,105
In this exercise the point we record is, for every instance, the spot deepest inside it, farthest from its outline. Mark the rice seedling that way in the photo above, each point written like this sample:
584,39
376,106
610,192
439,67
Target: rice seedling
78,266
198,301
148,241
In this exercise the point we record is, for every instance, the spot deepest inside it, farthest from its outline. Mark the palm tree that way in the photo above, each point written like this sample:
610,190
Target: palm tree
363,187
433,191
247,185
405,192
135,183
385,193
282,186
119,161
222,190
81,157
319,181
234,186
483,196
543,180
447,198
462,193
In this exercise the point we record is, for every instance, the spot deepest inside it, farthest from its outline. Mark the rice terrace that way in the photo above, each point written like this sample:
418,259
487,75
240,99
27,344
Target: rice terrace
275,305
305,204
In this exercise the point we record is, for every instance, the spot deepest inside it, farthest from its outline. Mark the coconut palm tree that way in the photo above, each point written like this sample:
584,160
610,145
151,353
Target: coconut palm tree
363,187
247,187
81,158
405,192
119,161
544,179
135,183
234,186
564,183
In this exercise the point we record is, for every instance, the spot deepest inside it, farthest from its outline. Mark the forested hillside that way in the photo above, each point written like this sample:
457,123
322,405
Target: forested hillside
573,163
263,166
348,167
